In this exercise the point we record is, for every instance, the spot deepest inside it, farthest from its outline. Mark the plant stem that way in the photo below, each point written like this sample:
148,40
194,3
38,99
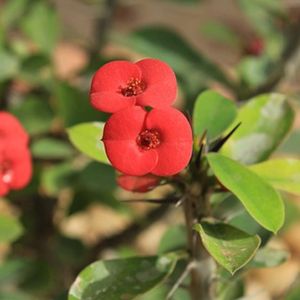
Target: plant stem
195,208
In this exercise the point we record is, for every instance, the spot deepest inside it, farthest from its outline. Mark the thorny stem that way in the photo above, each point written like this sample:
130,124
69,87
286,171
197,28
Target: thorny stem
196,207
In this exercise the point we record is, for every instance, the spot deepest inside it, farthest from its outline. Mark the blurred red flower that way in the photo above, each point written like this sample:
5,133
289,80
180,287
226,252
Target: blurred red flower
138,142
255,46
15,158
120,84
140,184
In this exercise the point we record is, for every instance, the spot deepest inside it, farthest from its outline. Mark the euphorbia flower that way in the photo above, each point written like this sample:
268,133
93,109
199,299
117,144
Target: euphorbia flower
138,142
120,84
139,184
15,159
15,166
11,128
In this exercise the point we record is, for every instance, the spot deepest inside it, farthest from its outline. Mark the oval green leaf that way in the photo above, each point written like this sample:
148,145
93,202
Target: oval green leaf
283,174
86,137
259,198
49,148
214,113
121,278
265,121
229,246
10,229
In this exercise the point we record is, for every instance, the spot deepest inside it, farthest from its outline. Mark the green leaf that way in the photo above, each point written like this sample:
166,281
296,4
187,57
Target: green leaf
57,177
173,239
266,120
50,148
167,45
259,198
214,113
229,246
269,258
73,105
230,289
283,174
42,26
9,65
121,278
86,138
10,229
12,11
291,145
219,32
35,115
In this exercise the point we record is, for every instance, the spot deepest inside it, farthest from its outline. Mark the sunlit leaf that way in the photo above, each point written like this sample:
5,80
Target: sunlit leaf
265,121
283,174
121,278
229,246
259,198
86,138
9,65
214,113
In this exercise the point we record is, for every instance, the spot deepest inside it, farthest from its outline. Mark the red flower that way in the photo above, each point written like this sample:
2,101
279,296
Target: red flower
120,84
10,128
15,159
140,184
138,142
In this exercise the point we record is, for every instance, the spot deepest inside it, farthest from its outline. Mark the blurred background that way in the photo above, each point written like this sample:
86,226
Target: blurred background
71,213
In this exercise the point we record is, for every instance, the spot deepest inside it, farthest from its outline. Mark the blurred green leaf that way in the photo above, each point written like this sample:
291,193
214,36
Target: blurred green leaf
165,44
36,70
73,105
268,258
283,174
12,11
230,289
57,177
229,246
255,71
214,113
173,239
50,148
262,14
15,295
121,278
220,32
9,65
10,229
291,145
294,293
266,120
262,202
35,114
42,26
86,138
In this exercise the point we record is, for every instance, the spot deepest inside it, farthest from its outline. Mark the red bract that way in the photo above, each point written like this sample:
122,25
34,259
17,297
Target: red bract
15,159
120,84
138,142
15,167
140,184
10,128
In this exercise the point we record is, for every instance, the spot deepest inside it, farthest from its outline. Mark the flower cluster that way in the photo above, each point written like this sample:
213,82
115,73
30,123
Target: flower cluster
15,159
137,141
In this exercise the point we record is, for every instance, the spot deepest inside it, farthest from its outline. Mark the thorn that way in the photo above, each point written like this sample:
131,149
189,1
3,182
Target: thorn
217,145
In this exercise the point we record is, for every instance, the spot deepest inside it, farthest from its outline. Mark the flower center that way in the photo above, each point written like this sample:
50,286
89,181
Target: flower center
133,87
6,172
148,139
